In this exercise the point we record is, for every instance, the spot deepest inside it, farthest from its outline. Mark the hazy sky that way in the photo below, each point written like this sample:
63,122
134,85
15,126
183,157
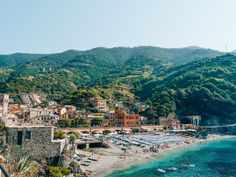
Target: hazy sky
44,26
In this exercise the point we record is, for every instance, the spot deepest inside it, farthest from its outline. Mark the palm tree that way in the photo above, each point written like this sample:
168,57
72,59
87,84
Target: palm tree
22,168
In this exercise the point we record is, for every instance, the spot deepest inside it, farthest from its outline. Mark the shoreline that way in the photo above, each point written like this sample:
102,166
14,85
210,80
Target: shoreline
111,160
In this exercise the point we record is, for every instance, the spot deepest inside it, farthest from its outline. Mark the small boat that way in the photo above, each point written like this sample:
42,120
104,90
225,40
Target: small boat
172,169
93,159
86,161
81,155
84,164
188,165
161,171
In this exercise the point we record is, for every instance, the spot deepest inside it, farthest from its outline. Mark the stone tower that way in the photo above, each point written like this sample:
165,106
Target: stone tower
5,105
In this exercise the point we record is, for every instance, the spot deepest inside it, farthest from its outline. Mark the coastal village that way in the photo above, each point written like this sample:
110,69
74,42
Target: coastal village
117,88
63,140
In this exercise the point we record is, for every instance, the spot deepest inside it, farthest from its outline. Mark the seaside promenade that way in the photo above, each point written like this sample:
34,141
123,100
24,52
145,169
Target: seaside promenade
111,129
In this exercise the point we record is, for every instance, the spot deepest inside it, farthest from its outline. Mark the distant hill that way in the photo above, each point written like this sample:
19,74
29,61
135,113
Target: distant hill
18,58
95,66
115,55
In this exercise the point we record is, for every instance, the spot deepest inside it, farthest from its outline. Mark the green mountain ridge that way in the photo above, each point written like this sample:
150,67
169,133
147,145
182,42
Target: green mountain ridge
118,53
18,58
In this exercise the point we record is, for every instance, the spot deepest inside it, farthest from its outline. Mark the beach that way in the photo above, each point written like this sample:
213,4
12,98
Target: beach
114,158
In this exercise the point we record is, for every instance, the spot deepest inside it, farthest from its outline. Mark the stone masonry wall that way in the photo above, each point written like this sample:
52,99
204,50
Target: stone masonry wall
40,145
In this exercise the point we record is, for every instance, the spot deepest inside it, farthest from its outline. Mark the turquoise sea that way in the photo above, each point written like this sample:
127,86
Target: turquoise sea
212,159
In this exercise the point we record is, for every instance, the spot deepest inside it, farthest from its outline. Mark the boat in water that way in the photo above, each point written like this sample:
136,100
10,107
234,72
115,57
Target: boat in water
188,165
161,171
172,169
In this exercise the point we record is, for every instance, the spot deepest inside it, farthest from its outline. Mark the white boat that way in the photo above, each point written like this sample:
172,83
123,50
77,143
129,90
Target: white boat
188,165
161,171
172,169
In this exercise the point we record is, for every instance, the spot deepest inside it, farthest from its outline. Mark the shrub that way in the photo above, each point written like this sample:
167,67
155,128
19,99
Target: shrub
59,135
65,171
135,130
64,123
58,171
72,138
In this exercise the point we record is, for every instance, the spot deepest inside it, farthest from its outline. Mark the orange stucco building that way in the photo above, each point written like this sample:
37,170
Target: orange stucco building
126,120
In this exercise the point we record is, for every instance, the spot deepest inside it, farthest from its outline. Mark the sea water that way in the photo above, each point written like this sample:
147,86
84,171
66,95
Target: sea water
212,159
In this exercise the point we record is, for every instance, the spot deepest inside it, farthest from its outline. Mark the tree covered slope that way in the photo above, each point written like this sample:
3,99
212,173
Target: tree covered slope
89,67
186,81
116,55
206,87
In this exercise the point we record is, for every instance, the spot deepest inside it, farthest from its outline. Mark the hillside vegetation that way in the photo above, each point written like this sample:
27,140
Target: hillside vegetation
93,66
186,81
18,58
206,87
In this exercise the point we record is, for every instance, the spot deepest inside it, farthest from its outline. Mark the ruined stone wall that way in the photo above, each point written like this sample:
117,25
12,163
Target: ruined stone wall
39,145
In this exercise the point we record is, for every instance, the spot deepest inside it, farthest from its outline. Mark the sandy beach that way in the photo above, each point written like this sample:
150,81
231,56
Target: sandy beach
113,158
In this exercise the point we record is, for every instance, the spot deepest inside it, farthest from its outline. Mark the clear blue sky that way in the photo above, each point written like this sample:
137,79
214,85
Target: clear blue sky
45,26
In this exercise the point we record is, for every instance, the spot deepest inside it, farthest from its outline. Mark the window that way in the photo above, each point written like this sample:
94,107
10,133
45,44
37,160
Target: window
19,138
28,134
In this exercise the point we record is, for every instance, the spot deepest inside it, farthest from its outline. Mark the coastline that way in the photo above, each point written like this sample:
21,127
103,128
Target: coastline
110,160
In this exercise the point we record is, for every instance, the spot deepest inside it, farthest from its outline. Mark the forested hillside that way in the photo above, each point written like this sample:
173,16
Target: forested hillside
206,87
92,66
186,81
117,55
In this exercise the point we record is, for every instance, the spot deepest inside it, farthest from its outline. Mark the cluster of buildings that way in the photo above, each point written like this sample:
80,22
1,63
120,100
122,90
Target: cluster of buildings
119,117
20,130
50,115
26,114
174,123
30,131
